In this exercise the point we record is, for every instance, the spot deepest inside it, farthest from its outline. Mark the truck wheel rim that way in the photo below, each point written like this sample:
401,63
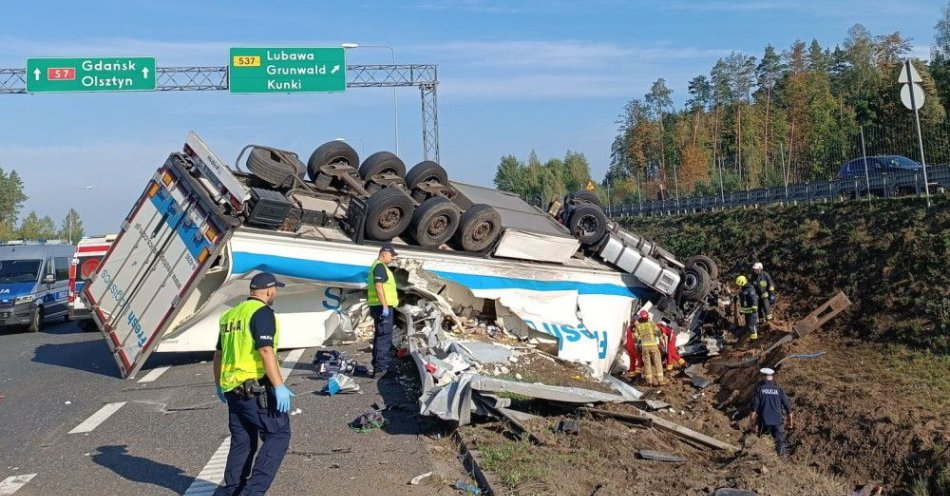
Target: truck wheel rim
438,226
482,231
390,218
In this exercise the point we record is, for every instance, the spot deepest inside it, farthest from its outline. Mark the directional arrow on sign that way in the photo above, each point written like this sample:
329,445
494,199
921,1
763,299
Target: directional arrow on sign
36,74
335,69
909,76
145,72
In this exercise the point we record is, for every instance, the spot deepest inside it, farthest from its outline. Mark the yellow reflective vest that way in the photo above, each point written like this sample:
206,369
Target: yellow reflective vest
389,288
648,334
240,359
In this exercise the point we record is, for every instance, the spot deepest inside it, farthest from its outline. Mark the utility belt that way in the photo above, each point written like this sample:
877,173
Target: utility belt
260,389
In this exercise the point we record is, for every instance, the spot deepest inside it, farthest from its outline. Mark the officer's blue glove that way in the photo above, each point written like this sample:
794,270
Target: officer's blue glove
386,312
221,397
772,298
283,398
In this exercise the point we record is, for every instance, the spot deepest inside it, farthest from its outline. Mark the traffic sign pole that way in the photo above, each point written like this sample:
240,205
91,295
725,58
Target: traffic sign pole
911,79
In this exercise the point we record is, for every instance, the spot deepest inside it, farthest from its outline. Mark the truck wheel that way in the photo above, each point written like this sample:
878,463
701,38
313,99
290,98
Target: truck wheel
36,322
277,169
388,213
588,196
479,227
695,283
426,170
707,264
588,223
381,162
434,222
331,152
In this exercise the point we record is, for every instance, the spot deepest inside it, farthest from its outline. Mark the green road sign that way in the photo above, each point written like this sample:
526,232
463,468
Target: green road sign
286,70
90,74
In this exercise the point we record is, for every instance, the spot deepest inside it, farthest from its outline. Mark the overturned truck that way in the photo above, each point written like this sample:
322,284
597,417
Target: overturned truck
201,228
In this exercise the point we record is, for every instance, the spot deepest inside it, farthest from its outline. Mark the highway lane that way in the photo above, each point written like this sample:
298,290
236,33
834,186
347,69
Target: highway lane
160,435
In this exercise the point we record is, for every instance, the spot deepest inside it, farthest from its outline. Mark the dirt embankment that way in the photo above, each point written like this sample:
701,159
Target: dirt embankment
876,406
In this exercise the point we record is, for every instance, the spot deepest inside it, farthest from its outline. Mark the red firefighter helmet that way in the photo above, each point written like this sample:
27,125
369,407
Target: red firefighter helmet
644,315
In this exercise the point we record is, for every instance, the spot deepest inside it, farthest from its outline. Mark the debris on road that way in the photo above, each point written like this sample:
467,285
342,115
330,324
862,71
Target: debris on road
660,456
368,421
419,478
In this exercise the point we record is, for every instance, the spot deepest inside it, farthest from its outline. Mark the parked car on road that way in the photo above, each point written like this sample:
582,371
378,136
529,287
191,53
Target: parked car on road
878,164
33,282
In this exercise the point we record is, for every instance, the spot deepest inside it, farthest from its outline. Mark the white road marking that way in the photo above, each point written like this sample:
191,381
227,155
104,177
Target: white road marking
154,374
13,484
212,474
290,362
97,418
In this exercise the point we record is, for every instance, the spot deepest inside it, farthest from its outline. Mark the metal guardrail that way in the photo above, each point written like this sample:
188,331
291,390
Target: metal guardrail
852,188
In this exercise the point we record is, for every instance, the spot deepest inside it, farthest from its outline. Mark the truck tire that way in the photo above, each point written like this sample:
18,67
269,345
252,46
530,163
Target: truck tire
331,152
434,222
695,283
588,196
588,224
381,162
36,321
478,228
708,264
388,213
276,169
426,170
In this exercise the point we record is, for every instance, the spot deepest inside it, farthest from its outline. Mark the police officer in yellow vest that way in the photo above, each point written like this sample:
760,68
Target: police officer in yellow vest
648,334
249,381
382,299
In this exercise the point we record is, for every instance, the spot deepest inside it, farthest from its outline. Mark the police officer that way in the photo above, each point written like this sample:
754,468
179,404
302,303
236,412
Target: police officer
768,405
382,299
765,288
749,306
249,381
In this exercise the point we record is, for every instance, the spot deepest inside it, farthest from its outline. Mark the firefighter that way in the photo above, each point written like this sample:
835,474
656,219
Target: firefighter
749,306
648,335
673,358
768,406
765,288
633,351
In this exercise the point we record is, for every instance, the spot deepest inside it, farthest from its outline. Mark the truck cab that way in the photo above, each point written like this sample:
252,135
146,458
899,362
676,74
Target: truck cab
34,283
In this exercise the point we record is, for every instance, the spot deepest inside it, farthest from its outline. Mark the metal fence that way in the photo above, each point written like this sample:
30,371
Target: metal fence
885,185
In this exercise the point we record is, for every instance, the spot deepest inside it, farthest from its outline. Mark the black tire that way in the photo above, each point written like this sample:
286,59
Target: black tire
426,171
695,283
588,224
478,228
434,222
588,196
381,162
36,321
388,213
276,169
708,264
331,152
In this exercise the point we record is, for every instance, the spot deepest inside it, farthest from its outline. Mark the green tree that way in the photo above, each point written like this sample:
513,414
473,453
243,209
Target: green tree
35,228
768,72
510,175
71,229
940,58
11,200
576,171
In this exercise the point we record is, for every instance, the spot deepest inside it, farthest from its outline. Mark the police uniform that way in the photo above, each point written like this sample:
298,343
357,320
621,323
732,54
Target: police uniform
245,329
769,403
383,324
749,307
766,292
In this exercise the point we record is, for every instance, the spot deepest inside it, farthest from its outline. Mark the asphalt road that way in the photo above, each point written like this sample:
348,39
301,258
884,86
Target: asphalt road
161,435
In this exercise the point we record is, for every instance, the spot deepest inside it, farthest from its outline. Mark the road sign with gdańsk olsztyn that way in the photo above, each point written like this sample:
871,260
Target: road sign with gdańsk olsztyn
90,74
286,70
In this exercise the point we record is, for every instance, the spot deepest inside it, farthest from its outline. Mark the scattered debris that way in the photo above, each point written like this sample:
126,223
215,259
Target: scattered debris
660,456
368,421
567,426
419,478
68,403
800,355
694,372
340,383
296,411
467,487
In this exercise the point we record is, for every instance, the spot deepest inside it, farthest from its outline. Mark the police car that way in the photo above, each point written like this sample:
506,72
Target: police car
34,283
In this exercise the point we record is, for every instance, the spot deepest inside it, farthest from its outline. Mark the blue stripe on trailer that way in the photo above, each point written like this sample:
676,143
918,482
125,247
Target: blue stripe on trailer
244,262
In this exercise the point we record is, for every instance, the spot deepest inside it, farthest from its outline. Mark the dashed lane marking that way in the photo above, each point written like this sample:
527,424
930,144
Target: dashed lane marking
97,418
154,374
13,484
212,474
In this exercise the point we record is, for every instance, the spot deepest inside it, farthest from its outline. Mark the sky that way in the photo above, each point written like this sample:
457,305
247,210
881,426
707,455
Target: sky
514,77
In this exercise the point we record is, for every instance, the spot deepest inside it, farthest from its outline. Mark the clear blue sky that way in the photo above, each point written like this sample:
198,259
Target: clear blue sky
515,76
